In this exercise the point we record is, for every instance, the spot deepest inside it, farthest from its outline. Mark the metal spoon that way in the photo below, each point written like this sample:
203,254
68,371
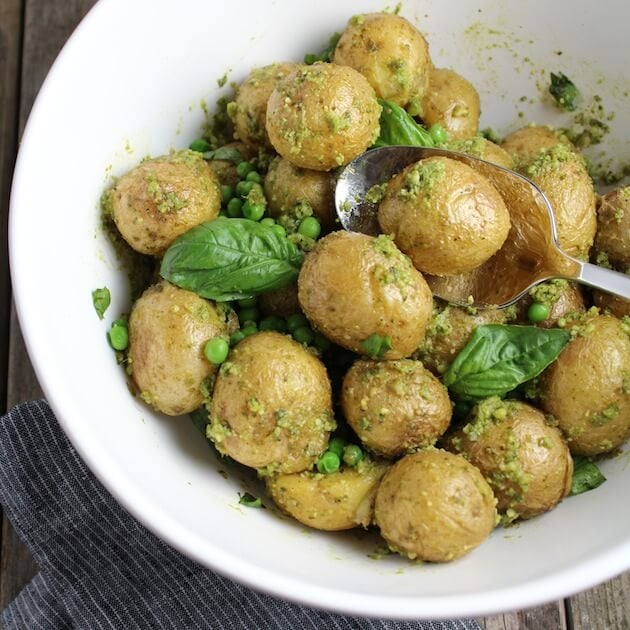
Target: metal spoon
530,254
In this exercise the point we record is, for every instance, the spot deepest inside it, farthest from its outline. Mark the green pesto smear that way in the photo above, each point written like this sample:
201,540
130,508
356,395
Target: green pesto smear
422,179
548,293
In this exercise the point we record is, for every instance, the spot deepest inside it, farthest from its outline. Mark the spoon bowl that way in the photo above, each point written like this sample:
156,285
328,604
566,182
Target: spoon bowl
530,255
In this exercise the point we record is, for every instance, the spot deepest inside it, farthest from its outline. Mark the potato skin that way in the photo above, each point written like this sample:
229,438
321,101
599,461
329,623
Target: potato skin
226,170
453,102
332,502
434,506
525,460
587,388
526,143
162,198
249,109
287,185
395,407
282,302
613,227
352,286
611,304
168,329
322,116
444,215
479,147
561,297
271,405
389,52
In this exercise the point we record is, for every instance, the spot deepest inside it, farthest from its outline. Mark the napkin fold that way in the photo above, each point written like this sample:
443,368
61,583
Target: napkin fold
100,568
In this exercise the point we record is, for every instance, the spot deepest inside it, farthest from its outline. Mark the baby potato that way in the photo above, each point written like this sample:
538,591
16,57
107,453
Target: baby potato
168,329
287,185
162,198
613,227
587,388
450,329
249,109
444,215
395,407
271,405
525,460
281,302
453,102
389,52
562,298
340,500
352,287
322,116
434,506
484,149
561,174
526,143
611,304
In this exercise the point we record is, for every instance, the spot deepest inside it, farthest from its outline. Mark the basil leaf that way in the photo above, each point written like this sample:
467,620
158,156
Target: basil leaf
326,54
249,500
586,476
229,154
101,299
399,128
231,259
499,357
199,418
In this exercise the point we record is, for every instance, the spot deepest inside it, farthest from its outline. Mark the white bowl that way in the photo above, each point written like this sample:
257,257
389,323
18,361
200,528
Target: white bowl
130,82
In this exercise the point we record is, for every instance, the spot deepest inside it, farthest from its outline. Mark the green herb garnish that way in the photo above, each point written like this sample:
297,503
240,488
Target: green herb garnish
229,154
101,299
398,128
326,54
586,476
564,91
249,500
376,346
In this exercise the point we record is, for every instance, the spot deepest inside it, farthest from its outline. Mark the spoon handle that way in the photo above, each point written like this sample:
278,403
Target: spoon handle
604,279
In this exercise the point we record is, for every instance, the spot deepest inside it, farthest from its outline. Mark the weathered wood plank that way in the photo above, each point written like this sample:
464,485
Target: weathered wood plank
548,617
606,607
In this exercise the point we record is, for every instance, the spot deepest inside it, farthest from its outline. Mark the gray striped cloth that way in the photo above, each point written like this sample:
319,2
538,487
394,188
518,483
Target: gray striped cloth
99,568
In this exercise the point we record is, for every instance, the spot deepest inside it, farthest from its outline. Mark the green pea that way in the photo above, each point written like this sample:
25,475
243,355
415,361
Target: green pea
200,145
328,463
227,192
235,208
279,230
336,445
249,328
253,176
216,350
295,321
243,188
273,322
310,227
243,168
304,335
268,221
250,314
438,133
236,336
248,302
537,312
320,342
253,211
352,454
118,336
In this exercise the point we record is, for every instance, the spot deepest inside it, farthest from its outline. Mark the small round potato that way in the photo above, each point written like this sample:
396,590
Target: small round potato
526,143
525,460
162,198
434,506
449,331
322,116
332,502
282,302
390,53
287,185
444,215
611,304
613,227
453,102
562,176
168,329
395,407
561,297
249,109
352,287
271,405
484,149
586,389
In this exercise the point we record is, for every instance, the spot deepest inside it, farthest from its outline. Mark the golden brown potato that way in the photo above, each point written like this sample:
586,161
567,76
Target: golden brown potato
287,185
525,461
434,506
613,227
249,109
390,53
322,116
484,149
353,286
168,329
587,388
561,298
611,304
449,331
395,407
526,143
162,198
271,405
453,102
226,170
562,176
445,216
336,501
282,302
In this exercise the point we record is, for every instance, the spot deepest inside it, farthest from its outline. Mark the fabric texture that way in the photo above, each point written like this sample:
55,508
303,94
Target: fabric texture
100,568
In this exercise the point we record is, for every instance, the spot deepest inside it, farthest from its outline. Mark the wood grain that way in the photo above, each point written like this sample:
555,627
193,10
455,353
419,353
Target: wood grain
549,617
606,607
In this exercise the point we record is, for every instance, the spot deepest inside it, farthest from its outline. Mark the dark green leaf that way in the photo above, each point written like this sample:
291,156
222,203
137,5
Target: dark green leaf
231,259
564,91
499,357
400,129
101,299
249,500
586,476
326,54
229,154
199,418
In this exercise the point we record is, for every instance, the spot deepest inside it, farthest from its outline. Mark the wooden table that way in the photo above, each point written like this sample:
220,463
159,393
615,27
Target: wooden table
31,34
